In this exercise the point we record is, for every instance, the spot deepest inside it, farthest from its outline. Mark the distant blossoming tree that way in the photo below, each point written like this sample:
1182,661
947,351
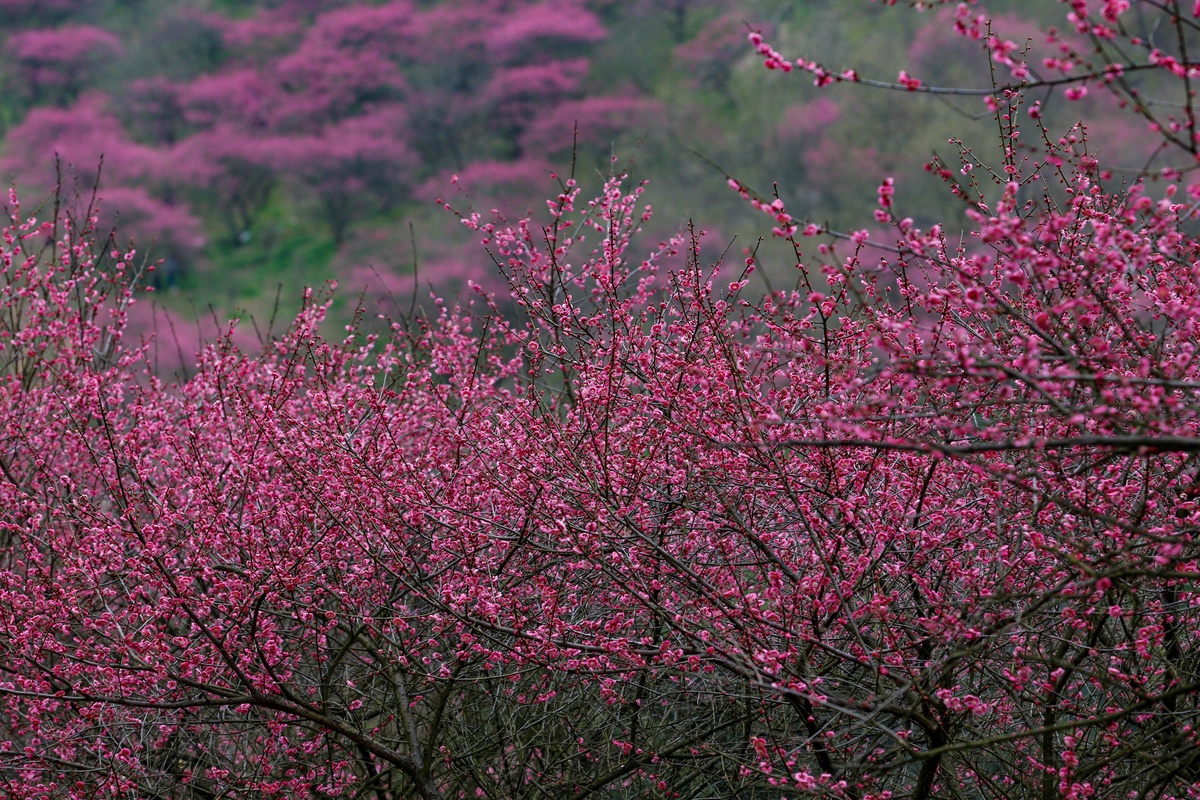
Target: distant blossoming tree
54,65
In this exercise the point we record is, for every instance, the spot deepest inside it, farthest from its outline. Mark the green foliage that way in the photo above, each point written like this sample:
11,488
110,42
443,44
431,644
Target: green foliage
634,54
281,247
172,44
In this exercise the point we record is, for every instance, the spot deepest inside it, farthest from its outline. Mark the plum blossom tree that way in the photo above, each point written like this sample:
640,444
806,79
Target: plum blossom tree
347,62
515,94
52,66
484,75
78,135
351,167
543,30
87,143
921,526
267,33
229,163
596,120
154,111
492,184
243,96
167,230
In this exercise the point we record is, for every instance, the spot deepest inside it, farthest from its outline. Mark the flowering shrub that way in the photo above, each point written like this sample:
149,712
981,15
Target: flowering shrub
56,63
922,526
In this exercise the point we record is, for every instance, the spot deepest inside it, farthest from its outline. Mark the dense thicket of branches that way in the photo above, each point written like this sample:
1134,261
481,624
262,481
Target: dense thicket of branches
922,526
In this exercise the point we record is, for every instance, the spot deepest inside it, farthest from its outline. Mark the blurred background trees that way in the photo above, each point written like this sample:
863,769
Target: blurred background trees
257,143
